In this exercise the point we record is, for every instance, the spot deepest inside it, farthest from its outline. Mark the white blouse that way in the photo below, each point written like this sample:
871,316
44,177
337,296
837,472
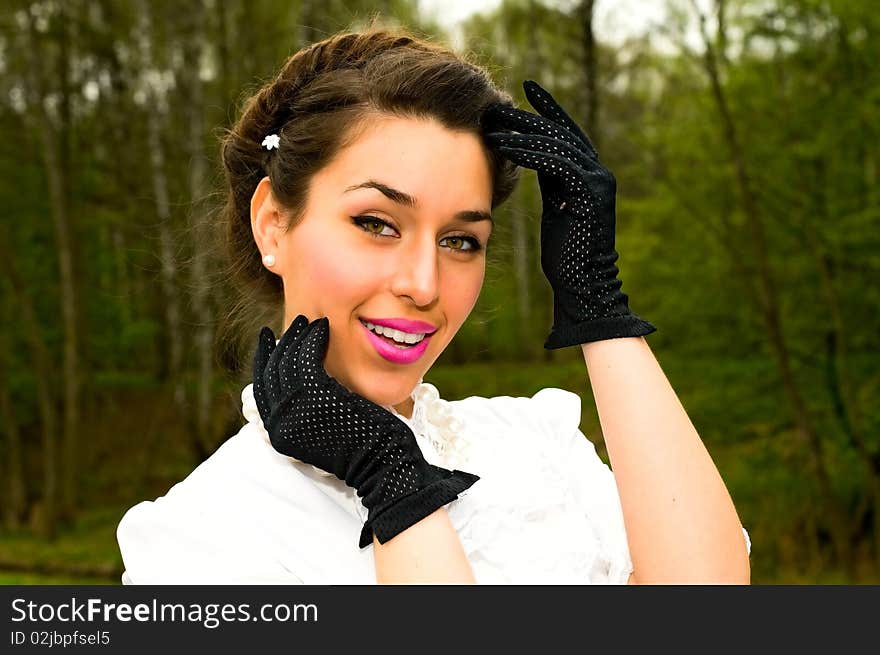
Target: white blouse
545,510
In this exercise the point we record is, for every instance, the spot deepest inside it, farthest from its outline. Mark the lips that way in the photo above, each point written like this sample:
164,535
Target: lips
402,324
392,353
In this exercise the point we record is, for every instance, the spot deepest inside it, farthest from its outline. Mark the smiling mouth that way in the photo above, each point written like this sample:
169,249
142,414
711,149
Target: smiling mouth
397,338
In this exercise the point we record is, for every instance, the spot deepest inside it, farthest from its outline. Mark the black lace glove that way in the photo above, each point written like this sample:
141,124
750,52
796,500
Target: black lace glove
311,417
577,223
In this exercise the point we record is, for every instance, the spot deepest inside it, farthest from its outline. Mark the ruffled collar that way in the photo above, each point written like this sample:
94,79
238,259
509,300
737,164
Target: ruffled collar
434,421
438,429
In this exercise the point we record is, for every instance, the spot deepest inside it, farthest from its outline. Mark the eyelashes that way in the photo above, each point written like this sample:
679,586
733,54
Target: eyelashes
363,220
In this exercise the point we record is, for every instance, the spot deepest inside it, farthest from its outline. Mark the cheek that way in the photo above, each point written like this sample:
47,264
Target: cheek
322,283
461,290
332,272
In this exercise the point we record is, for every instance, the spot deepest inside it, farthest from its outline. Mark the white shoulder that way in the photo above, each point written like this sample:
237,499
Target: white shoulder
549,413
196,533
559,411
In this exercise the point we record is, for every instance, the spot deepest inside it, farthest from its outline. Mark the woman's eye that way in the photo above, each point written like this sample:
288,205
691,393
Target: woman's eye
370,222
459,242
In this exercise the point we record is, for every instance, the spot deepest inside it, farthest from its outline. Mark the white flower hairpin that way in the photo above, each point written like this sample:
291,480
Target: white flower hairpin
271,141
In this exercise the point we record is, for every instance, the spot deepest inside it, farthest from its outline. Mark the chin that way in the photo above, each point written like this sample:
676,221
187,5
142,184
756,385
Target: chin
391,399
374,391
392,392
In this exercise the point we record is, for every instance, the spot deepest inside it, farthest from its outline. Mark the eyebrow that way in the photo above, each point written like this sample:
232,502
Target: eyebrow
401,198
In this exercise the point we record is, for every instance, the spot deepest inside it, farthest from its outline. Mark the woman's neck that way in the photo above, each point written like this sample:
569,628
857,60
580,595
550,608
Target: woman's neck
405,408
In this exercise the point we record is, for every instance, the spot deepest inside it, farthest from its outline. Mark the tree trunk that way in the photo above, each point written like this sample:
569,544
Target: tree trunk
721,31
56,159
844,396
117,156
532,333
199,271
42,366
591,96
15,506
227,15
168,271
121,282
308,30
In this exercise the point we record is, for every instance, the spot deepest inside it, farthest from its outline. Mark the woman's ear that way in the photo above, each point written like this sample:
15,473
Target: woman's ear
266,219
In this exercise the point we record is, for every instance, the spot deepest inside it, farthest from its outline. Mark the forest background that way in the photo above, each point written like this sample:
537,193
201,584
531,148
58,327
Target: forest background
742,133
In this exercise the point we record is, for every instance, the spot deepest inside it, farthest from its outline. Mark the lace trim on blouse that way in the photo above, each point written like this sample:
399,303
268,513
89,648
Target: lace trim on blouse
434,423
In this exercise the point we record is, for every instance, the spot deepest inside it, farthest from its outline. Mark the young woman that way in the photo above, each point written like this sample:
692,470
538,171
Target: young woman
362,180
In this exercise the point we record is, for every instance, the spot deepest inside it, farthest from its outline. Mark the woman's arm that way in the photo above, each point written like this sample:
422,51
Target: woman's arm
427,552
680,521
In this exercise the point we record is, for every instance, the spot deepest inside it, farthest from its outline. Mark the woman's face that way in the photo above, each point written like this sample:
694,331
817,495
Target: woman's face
426,263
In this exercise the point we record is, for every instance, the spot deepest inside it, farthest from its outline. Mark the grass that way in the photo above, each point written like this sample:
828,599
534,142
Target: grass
84,554
36,579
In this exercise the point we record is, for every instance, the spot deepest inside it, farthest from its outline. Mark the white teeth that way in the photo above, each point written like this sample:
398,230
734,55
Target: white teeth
397,335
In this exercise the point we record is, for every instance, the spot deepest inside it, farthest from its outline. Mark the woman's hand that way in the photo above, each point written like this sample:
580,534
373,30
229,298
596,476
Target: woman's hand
578,219
311,417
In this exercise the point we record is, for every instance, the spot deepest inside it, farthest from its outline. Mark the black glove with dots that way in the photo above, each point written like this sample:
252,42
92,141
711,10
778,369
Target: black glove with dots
311,417
577,222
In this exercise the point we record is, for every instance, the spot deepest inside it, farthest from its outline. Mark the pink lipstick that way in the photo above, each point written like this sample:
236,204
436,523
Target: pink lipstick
392,353
402,324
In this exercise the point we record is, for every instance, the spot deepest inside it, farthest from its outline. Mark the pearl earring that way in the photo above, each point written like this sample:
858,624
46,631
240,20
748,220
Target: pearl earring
269,260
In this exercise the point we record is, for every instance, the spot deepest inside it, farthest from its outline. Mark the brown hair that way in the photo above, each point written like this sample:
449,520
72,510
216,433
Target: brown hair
340,81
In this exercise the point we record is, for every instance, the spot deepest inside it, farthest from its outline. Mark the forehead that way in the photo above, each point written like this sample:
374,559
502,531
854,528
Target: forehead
418,156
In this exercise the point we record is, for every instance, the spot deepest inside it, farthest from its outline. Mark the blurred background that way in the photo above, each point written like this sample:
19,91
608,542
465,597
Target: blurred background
743,135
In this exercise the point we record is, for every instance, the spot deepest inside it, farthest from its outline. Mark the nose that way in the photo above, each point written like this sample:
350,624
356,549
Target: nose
417,273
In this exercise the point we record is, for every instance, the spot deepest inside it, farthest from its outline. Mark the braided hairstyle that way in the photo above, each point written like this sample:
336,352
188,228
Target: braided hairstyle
319,102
